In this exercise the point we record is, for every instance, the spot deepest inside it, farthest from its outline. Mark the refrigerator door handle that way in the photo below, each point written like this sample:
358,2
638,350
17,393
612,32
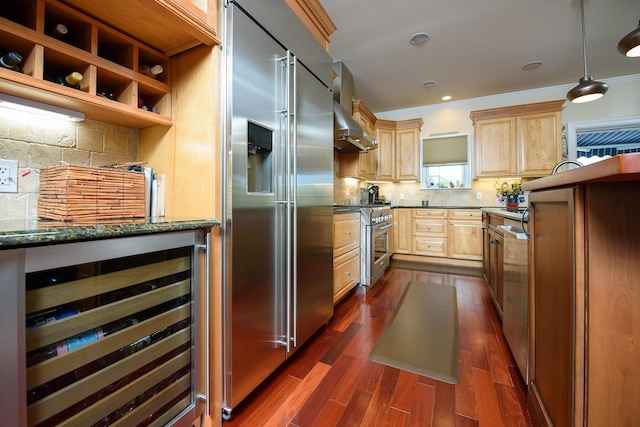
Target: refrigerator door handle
294,195
287,180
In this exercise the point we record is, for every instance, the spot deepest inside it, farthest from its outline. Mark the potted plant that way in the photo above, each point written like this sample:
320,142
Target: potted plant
509,192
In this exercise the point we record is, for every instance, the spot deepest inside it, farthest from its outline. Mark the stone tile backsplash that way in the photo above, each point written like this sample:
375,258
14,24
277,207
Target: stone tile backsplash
36,144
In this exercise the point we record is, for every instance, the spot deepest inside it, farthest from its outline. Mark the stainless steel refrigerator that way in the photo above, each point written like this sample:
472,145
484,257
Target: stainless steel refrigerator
278,224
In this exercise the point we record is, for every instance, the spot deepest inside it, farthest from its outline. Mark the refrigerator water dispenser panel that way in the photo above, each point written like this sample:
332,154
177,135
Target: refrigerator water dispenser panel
259,159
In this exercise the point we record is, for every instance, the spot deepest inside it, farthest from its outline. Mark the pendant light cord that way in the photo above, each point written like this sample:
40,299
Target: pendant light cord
584,39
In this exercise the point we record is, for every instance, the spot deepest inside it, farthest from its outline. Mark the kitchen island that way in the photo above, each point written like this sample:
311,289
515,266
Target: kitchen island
105,321
585,295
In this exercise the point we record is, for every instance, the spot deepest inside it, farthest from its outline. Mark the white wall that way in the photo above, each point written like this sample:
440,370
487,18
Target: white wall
621,101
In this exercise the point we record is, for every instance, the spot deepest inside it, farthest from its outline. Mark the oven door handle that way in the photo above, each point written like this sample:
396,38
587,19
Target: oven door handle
377,229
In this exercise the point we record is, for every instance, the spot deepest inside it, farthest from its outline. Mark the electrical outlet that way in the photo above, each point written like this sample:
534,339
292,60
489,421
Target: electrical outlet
8,176
401,196
478,195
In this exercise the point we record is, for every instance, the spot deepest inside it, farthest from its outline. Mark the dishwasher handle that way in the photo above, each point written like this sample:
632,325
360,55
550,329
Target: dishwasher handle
515,232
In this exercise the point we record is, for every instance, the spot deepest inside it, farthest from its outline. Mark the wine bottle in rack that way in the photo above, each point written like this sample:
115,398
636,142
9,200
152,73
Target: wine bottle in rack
50,316
71,80
11,60
58,31
72,343
151,71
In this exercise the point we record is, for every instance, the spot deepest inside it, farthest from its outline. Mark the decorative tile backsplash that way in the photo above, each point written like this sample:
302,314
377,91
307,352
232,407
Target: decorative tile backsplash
38,143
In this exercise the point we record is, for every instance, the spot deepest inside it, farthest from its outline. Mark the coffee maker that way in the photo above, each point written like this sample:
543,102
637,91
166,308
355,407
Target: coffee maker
373,192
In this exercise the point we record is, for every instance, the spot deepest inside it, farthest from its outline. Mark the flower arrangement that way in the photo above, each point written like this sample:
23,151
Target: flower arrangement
508,189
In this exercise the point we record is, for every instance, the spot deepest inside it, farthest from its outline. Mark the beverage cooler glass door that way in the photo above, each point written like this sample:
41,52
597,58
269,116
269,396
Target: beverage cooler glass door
109,331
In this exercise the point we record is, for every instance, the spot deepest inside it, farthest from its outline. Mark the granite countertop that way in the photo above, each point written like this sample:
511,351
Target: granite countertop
624,167
21,233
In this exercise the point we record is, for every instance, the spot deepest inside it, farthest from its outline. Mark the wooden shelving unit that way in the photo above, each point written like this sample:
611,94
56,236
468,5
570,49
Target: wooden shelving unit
112,89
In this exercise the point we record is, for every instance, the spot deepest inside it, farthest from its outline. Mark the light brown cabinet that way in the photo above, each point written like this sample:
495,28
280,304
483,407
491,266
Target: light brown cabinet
465,234
493,257
585,313
402,231
346,253
523,140
398,153
438,235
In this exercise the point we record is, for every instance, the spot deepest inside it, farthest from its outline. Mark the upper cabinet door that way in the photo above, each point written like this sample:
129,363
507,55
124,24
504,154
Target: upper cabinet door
494,147
538,147
521,140
386,153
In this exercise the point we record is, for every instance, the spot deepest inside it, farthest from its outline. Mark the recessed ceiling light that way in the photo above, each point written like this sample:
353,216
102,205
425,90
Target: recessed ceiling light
419,39
531,65
428,84
446,97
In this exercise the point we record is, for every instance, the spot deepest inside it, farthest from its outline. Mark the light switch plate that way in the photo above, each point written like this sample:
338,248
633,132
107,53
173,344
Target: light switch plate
8,176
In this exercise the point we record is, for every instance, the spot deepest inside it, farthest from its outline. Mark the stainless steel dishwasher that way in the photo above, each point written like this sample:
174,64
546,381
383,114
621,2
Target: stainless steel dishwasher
515,313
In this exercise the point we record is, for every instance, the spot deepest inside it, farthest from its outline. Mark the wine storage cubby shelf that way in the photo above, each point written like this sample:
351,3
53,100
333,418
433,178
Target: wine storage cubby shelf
112,89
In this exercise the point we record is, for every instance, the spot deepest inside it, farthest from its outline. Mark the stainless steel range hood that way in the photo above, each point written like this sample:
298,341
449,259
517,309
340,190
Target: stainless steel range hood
349,136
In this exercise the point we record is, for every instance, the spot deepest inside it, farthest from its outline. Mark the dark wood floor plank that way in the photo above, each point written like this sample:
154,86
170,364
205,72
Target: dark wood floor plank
476,342
372,373
397,418
337,348
497,362
426,381
346,312
423,406
330,415
331,381
283,414
381,399
255,412
462,421
444,413
521,391
403,396
355,410
488,407
484,318
310,353
463,331
465,390
510,409
343,391
320,395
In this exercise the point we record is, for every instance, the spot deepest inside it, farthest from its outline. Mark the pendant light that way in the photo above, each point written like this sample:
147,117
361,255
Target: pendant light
587,89
630,44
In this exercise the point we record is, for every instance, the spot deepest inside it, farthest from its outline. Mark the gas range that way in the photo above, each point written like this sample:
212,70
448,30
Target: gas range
371,214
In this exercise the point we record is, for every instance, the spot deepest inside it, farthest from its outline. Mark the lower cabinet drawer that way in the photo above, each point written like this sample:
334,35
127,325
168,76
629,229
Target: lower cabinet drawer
430,227
346,273
432,246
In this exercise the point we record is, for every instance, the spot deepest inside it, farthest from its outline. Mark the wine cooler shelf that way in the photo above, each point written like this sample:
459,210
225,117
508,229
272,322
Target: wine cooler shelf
52,53
113,340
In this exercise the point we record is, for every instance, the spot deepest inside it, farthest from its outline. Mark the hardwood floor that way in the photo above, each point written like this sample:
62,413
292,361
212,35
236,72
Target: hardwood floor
331,382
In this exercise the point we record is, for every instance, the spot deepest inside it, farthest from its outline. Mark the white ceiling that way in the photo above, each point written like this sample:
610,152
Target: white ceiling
476,47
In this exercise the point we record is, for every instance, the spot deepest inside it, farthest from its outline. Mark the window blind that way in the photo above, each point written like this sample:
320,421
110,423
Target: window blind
449,150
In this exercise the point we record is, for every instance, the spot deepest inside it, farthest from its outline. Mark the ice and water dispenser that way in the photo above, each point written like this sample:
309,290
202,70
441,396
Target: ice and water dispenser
259,158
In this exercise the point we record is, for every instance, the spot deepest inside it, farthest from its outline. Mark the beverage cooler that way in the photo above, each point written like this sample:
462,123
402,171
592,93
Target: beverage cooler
108,332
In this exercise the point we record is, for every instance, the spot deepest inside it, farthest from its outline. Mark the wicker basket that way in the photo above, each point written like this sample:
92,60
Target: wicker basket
70,193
